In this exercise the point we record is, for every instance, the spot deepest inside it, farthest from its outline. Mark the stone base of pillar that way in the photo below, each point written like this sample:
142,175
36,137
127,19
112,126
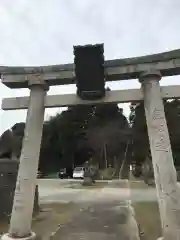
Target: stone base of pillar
6,236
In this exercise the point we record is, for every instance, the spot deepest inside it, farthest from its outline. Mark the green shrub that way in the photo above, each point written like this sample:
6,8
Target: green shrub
107,174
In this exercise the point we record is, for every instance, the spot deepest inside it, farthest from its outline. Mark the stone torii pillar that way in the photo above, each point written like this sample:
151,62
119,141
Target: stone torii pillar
21,218
163,164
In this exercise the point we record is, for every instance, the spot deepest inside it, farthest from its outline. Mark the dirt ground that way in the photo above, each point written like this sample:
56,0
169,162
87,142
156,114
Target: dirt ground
147,214
93,186
51,217
101,221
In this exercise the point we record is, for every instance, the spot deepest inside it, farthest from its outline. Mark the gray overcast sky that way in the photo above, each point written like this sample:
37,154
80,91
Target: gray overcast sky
42,32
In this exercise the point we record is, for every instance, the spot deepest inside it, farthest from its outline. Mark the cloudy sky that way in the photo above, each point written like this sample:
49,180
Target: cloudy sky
42,32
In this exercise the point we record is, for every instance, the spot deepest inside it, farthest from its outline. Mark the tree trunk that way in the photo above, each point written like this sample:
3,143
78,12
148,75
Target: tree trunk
125,170
125,167
88,181
117,166
105,156
36,201
147,171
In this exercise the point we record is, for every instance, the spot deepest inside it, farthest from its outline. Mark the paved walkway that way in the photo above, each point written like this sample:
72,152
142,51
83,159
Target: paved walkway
108,217
102,221
105,213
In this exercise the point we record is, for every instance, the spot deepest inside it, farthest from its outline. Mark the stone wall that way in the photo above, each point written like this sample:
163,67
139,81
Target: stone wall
8,176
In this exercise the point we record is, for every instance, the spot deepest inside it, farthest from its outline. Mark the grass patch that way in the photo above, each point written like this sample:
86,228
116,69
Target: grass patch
4,225
140,185
51,217
51,176
119,184
48,220
107,174
147,215
94,186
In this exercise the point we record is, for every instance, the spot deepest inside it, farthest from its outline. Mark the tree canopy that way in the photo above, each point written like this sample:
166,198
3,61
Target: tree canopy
140,143
81,133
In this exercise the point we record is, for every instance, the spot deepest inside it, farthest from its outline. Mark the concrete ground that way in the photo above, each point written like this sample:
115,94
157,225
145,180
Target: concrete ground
101,221
61,191
53,190
100,213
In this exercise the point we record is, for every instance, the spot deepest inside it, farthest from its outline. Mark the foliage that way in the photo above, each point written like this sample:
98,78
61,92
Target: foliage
139,130
75,135
100,133
80,133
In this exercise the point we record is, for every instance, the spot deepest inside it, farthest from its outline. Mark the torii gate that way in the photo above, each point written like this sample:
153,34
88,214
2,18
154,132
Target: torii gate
149,70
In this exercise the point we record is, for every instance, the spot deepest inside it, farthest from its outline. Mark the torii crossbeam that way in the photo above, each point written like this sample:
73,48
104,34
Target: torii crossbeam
168,63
